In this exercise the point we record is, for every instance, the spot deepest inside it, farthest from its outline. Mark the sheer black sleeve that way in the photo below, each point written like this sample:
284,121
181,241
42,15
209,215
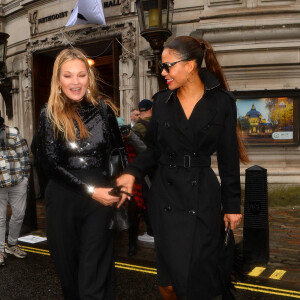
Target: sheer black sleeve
49,156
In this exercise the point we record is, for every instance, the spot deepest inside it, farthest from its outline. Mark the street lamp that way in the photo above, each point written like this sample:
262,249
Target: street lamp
5,82
155,18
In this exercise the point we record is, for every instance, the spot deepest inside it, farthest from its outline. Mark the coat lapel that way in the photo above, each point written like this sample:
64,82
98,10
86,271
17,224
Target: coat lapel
204,111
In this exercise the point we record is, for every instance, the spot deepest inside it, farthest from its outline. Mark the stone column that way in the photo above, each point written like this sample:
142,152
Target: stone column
127,72
20,75
25,79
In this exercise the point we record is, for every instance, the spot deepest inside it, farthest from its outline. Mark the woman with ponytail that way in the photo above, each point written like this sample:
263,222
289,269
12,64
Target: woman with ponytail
189,209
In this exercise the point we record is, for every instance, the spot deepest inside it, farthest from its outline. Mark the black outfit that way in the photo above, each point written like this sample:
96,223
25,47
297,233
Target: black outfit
42,179
186,199
134,212
77,226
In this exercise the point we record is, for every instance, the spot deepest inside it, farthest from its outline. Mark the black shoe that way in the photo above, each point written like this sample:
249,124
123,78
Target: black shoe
132,250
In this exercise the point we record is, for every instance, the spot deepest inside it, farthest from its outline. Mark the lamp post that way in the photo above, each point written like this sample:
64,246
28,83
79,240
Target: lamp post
5,82
155,18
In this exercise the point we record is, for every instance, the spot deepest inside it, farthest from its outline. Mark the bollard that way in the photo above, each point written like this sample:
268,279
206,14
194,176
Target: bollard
256,224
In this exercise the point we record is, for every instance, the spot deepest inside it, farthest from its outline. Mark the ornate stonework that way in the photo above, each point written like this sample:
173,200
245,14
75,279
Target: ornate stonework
127,73
125,7
32,18
129,44
86,33
27,78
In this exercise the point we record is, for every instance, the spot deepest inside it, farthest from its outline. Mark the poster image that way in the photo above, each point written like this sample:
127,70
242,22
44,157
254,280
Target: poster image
266,120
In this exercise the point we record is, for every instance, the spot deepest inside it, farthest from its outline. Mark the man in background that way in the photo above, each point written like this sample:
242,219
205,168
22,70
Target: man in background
140,127
14,173
134,116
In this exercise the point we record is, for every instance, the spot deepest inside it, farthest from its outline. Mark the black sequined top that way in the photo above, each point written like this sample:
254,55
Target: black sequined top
60,157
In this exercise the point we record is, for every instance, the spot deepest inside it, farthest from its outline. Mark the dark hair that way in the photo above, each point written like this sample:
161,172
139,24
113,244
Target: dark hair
190,48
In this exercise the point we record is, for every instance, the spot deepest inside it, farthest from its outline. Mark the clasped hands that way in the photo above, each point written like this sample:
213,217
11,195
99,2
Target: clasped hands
123,192
117,195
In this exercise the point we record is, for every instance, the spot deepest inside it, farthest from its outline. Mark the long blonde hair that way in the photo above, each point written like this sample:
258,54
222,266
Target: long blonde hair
61,110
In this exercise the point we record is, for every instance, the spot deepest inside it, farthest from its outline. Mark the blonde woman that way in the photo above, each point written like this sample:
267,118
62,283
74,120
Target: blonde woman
74,138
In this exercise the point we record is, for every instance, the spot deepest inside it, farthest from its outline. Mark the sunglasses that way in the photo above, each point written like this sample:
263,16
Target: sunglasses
167,66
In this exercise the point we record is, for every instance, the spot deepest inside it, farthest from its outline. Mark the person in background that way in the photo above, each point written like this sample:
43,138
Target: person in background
134,116
14,173
74,136
189,209
41,178
140,127
133,145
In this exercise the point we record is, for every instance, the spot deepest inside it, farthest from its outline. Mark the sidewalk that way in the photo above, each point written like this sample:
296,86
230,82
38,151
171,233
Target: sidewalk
284,237
284,243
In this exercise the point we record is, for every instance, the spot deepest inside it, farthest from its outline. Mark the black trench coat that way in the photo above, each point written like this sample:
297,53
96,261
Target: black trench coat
186,200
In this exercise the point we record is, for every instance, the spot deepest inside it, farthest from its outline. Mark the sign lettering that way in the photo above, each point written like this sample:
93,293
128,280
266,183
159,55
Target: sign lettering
53,17
111,3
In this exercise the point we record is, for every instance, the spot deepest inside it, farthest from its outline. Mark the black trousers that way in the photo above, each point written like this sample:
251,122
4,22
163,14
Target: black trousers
80,243
134,214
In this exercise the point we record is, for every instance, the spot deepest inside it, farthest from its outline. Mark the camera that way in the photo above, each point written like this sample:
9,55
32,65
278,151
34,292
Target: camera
125,130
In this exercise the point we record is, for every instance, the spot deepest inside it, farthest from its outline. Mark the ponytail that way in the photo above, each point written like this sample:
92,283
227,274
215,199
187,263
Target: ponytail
188,48
241,147
213,66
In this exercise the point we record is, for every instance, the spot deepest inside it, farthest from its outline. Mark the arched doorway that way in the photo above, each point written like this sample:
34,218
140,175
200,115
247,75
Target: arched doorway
105,54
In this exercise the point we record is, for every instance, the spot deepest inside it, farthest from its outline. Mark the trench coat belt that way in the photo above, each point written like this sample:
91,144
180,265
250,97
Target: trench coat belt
194,160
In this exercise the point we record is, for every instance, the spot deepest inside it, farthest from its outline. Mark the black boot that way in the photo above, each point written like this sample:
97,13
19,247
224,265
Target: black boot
132,249
133,214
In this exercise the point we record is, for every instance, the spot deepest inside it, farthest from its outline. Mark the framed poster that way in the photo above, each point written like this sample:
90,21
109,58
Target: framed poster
268,117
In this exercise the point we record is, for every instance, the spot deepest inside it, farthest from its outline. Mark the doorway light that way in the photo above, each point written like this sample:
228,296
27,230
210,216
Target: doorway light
91,61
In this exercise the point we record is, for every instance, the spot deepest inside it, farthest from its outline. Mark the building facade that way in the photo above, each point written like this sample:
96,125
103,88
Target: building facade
257,42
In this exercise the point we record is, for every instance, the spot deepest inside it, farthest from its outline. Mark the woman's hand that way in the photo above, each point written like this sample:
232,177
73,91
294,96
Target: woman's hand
102,195
126,182
233,219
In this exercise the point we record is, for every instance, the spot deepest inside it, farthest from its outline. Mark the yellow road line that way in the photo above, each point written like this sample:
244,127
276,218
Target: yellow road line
136,266
38,252
266,291
118,265
277,274
266,287
256,271
35,249
238,285
135,269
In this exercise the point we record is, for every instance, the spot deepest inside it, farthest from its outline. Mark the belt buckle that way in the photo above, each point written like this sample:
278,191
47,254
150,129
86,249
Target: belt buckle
186,161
